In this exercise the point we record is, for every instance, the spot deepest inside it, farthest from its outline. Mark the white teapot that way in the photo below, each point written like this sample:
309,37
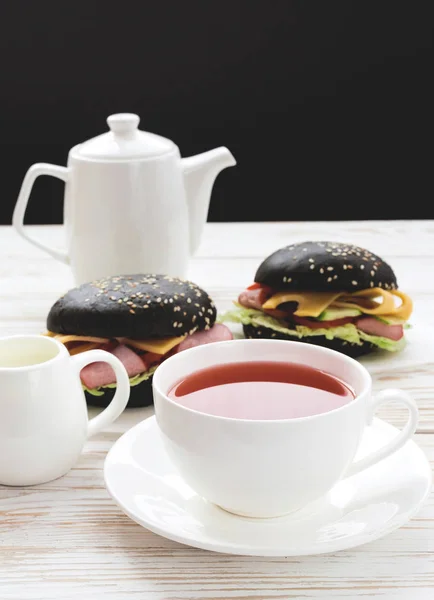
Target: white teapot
131,205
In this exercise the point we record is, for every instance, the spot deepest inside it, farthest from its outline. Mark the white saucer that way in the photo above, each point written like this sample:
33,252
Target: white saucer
144,483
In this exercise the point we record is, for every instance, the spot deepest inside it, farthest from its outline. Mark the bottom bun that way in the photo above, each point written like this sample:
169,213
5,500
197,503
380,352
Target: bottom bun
353,350
140,395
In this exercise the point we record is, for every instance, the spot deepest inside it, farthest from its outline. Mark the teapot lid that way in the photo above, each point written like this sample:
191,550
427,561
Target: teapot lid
124,141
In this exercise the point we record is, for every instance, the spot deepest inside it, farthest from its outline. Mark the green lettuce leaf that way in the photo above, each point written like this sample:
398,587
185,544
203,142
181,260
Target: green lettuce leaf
99,391
348,332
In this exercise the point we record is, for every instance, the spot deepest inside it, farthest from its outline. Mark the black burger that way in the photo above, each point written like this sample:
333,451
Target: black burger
327,293
141,319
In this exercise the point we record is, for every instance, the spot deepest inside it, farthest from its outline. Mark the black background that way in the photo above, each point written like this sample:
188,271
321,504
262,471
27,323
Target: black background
326,105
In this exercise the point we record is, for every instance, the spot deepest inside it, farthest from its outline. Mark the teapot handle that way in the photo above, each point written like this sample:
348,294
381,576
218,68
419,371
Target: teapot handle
23,198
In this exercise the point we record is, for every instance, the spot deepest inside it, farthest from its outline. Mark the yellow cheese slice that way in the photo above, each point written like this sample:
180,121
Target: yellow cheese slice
372,301
367,302
310,304
160,346
83,348
80,338
374,307
404,311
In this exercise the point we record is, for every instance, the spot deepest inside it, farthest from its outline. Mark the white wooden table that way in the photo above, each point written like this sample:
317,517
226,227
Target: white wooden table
67,539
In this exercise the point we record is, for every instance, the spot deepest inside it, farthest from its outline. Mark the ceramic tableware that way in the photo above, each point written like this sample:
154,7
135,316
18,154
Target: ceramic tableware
267,468
131,204
43,415
143,481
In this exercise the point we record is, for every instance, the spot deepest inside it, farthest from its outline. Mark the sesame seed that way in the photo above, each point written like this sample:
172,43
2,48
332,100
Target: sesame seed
133,312
188,300
321,270
165,300
175,324
362,267
196,304
311,260
200,314
335,276
312,267
112,297
157,300
193,319
284,280
120,301
179,324
354,282
372,273
170,300
146,306
329,279
329,268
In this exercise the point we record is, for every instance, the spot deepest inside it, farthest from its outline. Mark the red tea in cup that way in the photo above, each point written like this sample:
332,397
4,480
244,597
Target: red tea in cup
261,390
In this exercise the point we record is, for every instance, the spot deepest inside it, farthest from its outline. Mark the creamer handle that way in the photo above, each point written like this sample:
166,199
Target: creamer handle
23,198
122,394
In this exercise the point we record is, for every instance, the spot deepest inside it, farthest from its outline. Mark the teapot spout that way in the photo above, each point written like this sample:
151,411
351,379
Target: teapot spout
200,172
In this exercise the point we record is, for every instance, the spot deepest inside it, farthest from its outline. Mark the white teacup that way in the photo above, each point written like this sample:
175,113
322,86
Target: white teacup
43,413
267,468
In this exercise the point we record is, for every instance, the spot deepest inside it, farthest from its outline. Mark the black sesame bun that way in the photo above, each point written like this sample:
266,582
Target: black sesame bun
140,396
135,307
353,350
325,267
325,293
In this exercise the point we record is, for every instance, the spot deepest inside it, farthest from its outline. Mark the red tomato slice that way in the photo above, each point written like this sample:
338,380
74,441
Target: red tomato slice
255,286
314,324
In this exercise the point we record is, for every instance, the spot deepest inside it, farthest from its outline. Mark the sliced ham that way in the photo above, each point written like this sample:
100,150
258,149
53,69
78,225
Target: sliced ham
217,333
100,373
374,326
254,298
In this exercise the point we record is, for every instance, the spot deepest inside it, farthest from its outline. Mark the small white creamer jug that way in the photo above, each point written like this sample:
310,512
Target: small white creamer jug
131,205
43,412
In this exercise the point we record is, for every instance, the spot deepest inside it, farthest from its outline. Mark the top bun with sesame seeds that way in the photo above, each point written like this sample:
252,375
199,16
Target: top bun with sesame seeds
133,306
332,294
325,266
